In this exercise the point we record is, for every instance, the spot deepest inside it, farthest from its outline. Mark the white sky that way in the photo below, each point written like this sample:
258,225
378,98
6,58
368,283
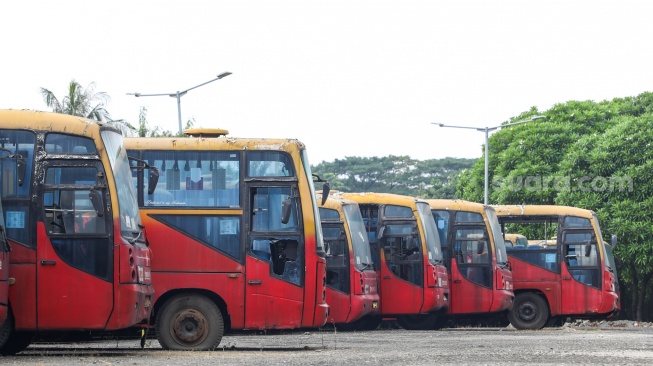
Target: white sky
348,78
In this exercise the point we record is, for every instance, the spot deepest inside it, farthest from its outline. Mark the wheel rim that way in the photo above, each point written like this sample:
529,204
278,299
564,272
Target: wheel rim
527,311
190,327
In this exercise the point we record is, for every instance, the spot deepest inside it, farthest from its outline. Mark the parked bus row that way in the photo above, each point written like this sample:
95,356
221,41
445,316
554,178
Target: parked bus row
194,237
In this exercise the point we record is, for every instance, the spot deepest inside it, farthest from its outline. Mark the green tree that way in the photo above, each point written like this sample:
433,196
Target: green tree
610,173
435,178
144,129
542,162
79,101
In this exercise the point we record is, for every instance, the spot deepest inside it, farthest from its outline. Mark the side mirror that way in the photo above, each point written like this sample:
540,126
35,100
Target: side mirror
153,180
95,197
588,250
325,192
481,247
20,170
286,209
613,240
380,233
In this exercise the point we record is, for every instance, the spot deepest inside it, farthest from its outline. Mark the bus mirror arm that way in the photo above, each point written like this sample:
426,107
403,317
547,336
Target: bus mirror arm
153,176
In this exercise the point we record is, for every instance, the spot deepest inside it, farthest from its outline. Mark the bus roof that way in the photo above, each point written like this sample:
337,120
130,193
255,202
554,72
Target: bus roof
541,210
203,143
381,198
457,205
334,200
63,123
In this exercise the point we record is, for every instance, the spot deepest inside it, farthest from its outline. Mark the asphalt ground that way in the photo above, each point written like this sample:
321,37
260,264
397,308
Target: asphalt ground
461,346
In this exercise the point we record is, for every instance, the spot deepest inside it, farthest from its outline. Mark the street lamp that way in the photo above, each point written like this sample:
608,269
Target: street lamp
180,94
487,131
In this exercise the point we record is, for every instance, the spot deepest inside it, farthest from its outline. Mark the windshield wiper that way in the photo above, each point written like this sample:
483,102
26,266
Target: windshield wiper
366,266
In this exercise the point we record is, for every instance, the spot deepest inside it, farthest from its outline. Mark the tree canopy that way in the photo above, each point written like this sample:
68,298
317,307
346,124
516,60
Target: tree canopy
585,154
434,178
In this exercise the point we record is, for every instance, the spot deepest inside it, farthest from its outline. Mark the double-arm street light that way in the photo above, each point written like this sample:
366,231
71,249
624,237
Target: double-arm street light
180,94
487,131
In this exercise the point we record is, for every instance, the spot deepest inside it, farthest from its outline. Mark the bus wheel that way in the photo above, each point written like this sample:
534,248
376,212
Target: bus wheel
12,342
189,322
529,311
418,322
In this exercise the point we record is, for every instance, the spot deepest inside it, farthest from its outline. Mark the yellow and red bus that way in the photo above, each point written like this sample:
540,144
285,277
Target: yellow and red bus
480,281
79,259
351,279
235,235
407,256
566,270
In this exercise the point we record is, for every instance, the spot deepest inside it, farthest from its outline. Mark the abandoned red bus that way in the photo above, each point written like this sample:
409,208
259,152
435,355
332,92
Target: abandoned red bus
407,256
235,235
475,256
79,259
351,279
566,270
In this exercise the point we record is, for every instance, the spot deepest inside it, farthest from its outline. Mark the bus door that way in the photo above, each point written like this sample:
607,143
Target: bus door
74,251
275,258
471,273
402,268
4,271
581,274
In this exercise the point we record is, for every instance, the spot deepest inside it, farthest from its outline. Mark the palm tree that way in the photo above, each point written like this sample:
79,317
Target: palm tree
79,101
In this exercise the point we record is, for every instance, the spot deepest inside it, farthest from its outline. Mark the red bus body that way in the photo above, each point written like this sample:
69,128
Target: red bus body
351,280
407,257
79,260
567,273
4,279
224,259
474,251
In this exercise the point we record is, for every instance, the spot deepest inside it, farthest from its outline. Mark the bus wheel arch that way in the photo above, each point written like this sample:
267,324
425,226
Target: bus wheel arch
189,321
530,311
12,341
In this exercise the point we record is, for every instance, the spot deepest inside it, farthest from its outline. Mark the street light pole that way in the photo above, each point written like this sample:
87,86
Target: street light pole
487,150
180,94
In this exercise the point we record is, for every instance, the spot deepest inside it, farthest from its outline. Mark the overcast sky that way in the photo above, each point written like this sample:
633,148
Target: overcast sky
347,78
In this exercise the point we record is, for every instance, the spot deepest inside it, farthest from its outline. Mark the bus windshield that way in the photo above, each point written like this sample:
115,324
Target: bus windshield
431,235
499,243
130,220
359,241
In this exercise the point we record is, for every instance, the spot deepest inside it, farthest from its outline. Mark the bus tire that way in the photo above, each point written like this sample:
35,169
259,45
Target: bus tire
189,322
529,311
11,341
419,321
